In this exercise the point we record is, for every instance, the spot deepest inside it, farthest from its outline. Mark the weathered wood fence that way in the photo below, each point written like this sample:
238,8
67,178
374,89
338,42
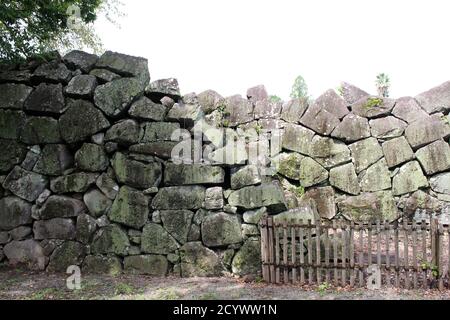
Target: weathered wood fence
407,254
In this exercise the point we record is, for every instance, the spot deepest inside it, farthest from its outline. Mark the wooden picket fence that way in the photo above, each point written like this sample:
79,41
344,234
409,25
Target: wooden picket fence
408,254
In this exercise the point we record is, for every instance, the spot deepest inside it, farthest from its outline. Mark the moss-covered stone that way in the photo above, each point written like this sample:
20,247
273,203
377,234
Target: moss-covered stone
40,130
55,159
111,239
197,260
130,208
221,229
248,259
188,174
12,154
153,265
11,123
177,223
136,174
104,265
91,157
68,254
173,198
408,179
155,239
76,182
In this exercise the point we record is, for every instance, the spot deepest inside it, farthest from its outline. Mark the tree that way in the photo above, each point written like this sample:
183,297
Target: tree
275,98
383,84
299,89
29,27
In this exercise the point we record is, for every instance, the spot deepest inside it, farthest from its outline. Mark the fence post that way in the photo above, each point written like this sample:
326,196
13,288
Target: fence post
434,242
264,249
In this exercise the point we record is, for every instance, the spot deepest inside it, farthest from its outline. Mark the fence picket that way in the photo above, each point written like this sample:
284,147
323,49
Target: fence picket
293,253
352,254
361,255
344,253
424,253
335,253
397,257
406,253
439,252
387,232
327,254
318,258
277,254
414,253
285,254
302,252
310,257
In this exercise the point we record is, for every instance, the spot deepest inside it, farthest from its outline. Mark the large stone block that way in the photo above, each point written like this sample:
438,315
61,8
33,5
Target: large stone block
186,174
25,184
61,207
376,178
424,131
209,101
185,114
351,93
86,226
81,120
55,159
146,109
14,212
70,253
407,109
386,128
365,153
46,98
91,157
104,265
196,260
114,98
97,203
247,261
77,59
323,199
221,229
73,183
155,239
57,228
297,138
40,130
344,178
293,110
436,99
52,71
397,151
130,208
125,132
369,207
12,154
237,111
329,152
441,183
266,195
163,88
111,239
266,109
82,86
11,124
159,131
373,107
352,128
153,265
127,66
27,252
435,157
13,95
187,197
409,178
177,223
136,174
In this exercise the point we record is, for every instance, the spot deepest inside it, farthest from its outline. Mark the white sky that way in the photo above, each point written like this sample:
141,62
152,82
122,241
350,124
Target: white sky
231,45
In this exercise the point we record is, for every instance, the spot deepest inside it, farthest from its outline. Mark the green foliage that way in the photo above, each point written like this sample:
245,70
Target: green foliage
299,191
425,265
123,288
383,84
258,128
323,288
29,27
373,103
299,89
275,98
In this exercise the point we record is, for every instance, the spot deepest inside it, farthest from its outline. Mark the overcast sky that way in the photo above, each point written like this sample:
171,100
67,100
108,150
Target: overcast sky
231,45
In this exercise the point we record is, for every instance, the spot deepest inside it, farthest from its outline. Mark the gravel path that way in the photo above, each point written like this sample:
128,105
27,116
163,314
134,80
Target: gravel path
19,284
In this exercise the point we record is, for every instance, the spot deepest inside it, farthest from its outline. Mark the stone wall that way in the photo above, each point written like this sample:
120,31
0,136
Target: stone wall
102,168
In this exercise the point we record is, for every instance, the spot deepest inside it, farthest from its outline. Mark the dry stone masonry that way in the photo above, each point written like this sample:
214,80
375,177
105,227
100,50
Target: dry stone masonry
104,169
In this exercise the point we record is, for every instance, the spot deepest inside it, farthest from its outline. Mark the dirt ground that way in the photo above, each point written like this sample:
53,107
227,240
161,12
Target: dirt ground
18,284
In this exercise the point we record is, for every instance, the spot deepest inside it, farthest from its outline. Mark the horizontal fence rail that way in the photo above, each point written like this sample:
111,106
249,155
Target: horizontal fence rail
403,255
